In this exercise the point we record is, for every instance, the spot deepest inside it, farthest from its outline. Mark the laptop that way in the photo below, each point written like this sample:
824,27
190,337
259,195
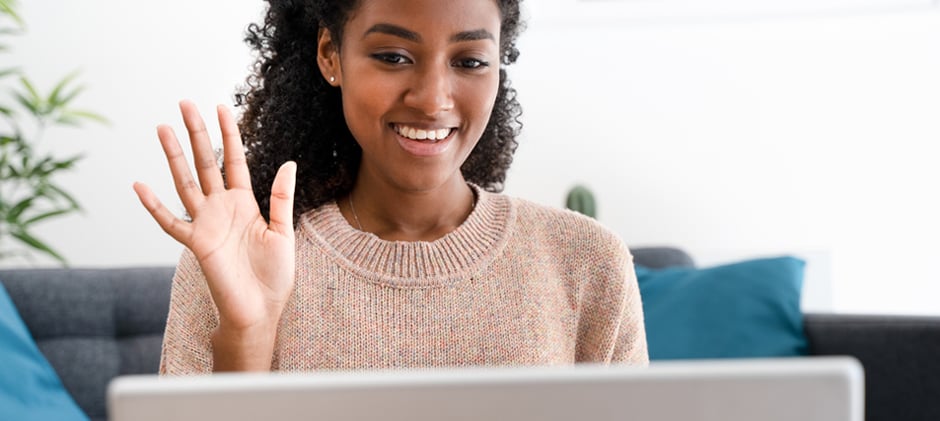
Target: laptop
806,389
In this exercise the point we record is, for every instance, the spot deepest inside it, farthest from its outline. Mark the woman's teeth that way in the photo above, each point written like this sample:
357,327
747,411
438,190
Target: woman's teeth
420,134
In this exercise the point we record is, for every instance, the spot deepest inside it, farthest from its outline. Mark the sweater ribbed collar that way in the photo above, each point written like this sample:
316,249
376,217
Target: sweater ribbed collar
457,256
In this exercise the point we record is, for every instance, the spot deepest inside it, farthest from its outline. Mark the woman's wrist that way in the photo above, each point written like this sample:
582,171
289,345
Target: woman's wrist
243,349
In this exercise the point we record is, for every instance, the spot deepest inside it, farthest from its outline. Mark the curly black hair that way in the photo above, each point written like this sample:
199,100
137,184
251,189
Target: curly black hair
292,113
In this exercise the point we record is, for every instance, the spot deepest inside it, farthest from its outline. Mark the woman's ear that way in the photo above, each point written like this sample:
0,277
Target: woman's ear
328,57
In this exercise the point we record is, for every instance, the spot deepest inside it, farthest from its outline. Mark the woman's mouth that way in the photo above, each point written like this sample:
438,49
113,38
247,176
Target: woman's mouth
424,142
425,135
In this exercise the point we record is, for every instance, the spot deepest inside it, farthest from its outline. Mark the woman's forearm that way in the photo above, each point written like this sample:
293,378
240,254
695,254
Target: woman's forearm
243,350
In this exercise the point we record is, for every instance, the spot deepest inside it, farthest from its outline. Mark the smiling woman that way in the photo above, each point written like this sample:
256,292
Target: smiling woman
383,131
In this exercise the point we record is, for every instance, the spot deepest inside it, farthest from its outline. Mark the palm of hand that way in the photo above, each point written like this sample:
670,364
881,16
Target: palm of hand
248,263
248,267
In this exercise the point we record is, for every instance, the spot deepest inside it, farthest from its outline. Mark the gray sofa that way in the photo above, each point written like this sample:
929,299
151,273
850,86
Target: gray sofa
95,324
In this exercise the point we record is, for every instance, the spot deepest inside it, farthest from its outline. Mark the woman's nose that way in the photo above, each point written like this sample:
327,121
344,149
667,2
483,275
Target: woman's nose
431,91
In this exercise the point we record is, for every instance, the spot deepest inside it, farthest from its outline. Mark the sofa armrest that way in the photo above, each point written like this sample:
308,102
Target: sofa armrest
900,354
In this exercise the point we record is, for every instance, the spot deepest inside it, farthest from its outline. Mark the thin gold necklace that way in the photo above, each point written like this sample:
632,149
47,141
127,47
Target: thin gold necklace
355,215
473,205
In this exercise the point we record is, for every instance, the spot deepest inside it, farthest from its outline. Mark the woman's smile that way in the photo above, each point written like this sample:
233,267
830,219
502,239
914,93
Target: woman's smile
422,140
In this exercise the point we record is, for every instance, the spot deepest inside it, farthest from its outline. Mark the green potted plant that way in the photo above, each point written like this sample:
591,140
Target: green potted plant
29,193
581,199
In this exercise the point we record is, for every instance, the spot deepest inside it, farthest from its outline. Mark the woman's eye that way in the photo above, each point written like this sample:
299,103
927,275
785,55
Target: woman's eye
391,58
471,63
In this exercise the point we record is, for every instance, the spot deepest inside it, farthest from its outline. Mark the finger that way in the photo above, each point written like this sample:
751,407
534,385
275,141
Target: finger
236,169
204,159
282,199
177,228
186,187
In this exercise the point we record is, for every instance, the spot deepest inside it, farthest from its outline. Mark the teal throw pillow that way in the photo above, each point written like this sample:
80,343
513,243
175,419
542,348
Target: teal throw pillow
29,387
740,310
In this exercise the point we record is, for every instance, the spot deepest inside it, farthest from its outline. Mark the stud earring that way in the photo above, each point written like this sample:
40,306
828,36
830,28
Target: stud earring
332,79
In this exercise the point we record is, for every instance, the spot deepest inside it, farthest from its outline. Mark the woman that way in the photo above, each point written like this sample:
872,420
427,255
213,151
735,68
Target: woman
393,249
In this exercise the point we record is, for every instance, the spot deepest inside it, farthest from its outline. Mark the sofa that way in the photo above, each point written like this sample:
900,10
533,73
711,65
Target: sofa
95,324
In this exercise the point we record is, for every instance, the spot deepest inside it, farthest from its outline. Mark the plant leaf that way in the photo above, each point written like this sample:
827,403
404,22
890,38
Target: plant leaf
46,215
32,107
67,163
70,96
54,99
64,195
30,88
38,245
6,7
44,168
18,209
88,115
68,121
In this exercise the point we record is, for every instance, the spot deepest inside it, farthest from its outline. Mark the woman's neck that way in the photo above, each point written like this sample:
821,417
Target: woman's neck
396,214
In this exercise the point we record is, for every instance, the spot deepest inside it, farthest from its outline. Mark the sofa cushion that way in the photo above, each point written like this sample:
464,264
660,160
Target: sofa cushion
93,324
29,387
661,257
745,309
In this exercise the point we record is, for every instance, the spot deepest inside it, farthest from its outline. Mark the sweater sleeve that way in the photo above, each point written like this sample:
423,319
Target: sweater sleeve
630,338
611,327
192,318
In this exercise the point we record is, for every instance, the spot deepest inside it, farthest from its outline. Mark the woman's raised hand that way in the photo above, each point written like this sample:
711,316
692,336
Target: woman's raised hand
248,262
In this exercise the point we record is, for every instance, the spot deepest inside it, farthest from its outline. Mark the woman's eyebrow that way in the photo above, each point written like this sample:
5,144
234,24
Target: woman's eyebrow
398,31
394,30
475,35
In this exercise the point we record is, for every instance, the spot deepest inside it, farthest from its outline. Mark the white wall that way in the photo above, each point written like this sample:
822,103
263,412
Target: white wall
731,138
138,60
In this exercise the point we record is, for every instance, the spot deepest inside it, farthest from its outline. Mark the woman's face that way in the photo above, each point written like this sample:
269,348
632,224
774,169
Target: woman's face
419,80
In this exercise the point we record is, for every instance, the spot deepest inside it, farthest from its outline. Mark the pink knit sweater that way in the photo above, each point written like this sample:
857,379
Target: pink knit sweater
516,284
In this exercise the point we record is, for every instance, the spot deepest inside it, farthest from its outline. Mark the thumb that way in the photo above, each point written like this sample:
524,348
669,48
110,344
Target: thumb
282,199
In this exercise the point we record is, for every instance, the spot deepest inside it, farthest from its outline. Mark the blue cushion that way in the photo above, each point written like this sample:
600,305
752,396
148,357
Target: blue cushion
746,309
29,387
